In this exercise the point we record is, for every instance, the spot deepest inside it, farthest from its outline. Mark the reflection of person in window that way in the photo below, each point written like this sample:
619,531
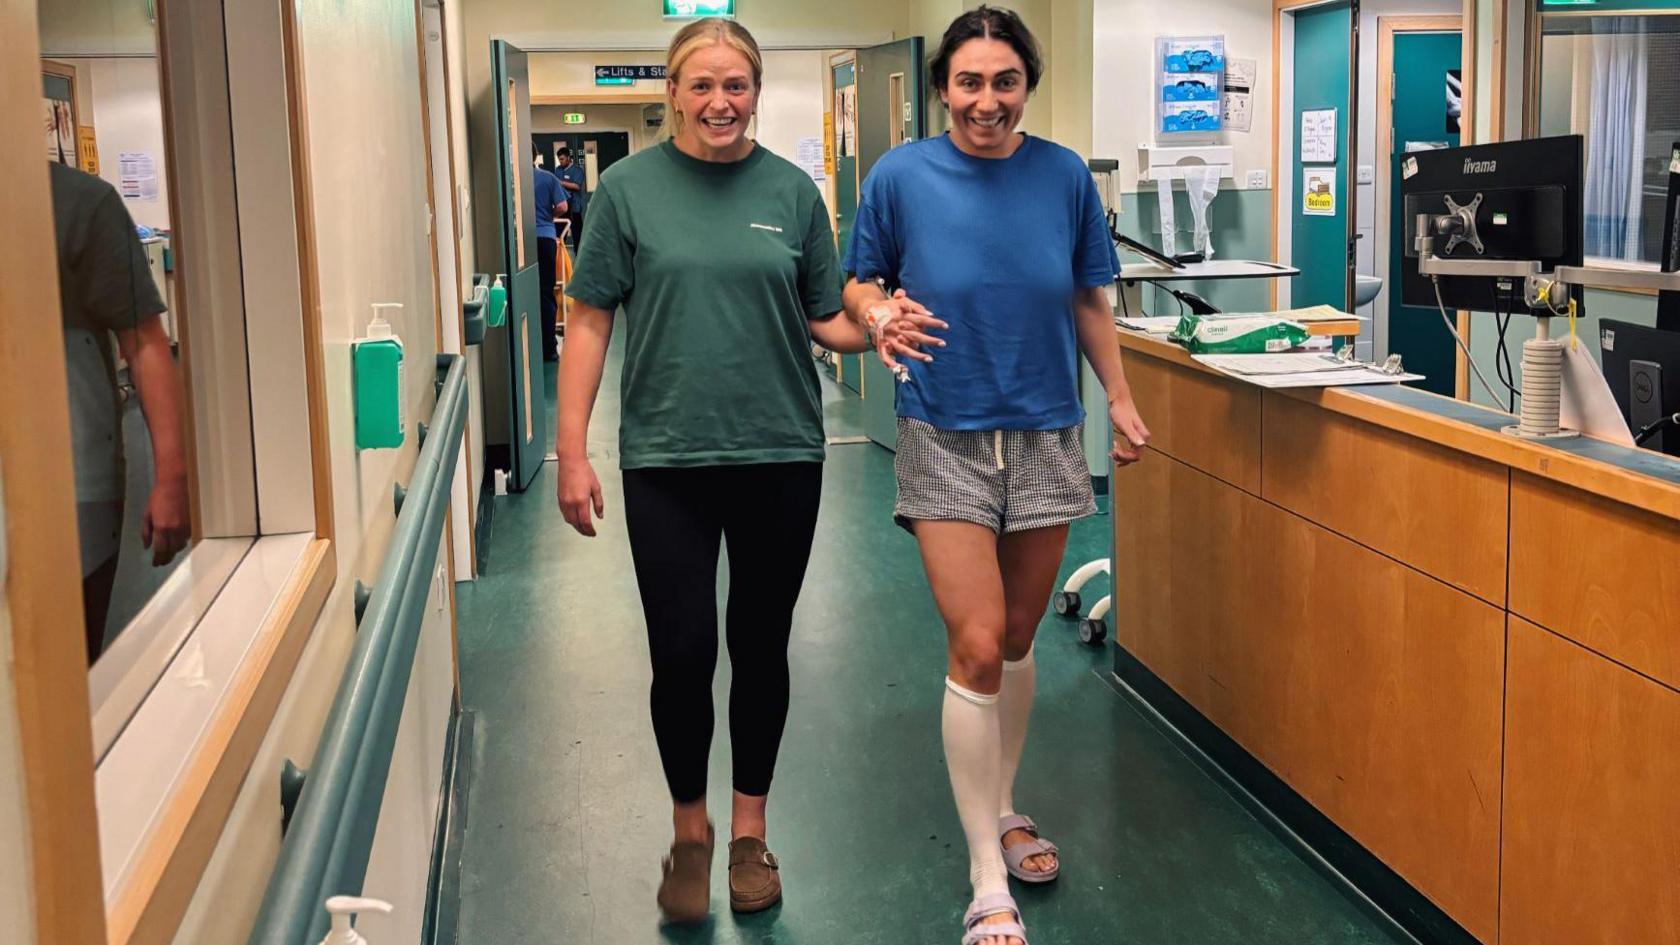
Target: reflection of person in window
106,289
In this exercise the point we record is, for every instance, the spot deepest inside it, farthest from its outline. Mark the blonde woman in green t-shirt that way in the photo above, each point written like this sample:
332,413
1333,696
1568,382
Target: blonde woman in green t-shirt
721,257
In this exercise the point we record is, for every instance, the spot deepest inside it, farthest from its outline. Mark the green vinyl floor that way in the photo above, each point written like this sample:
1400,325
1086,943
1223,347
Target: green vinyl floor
567,818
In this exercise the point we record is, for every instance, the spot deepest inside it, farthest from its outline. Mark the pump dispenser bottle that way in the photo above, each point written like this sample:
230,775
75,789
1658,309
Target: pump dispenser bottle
495,312
342,908
378,369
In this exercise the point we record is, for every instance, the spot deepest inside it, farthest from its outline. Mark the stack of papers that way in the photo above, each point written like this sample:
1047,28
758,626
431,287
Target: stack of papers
1321,320
1153,324
1299,369
1317,313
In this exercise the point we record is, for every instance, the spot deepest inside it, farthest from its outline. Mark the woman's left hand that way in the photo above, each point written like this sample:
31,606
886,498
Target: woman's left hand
1130,435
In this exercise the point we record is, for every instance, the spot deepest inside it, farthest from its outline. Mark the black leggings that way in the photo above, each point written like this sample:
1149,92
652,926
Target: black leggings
767,514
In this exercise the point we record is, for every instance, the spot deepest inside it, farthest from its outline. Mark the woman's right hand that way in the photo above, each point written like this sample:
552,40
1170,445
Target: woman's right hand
579,492
901,326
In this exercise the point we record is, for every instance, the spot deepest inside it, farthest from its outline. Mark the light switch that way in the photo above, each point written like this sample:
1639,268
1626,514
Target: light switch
1367,173
1257,180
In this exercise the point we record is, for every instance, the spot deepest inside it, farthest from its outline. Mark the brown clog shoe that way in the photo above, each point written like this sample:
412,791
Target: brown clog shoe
755,881
685,894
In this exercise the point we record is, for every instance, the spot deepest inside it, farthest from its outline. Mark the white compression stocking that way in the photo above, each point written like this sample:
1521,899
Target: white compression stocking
973,754
1015,700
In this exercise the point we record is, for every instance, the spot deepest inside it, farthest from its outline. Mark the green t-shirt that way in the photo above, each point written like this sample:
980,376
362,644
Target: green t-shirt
718,268
104,285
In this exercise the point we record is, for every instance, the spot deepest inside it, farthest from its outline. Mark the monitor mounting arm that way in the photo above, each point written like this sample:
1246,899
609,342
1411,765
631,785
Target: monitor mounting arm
1458,225
1546,293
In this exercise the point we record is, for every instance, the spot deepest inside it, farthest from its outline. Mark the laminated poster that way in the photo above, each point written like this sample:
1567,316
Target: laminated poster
809,153
1240,75
1318,136
137,176
1318,191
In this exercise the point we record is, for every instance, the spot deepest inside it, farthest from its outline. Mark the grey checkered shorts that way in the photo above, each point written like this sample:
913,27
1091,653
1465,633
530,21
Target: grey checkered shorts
1006,480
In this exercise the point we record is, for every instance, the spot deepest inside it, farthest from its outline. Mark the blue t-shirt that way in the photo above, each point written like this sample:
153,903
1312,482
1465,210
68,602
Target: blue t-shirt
995,247
578,198
548,194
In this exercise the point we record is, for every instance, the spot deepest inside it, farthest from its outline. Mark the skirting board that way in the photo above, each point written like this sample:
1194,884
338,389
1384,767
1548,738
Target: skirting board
443,882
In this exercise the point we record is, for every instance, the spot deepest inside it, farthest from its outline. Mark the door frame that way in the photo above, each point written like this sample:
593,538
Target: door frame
448,260
42,638
1387,28
832,129
839,58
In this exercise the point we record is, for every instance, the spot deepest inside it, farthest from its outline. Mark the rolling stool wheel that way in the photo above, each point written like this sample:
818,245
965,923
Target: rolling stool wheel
1066,603
1093,632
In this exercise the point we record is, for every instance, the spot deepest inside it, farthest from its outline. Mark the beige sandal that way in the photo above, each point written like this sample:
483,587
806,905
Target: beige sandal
755,881
685,893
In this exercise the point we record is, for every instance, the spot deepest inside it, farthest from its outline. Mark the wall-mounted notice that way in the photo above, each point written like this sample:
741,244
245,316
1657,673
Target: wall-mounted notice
137,176
828,144
845,120
809,157
1240,76
87,149
1318,136
1318,191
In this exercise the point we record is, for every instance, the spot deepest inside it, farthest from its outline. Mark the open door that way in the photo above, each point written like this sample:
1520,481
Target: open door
890,95
1425,67
1322,80
527,411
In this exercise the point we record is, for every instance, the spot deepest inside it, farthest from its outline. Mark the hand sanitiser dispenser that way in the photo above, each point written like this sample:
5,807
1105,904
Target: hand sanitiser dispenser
342,908
377,362
495,312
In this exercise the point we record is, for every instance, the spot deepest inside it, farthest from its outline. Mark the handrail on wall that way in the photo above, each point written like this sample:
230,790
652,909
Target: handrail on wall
326,848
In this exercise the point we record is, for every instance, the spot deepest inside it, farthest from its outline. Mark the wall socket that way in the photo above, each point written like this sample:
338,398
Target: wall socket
1257,180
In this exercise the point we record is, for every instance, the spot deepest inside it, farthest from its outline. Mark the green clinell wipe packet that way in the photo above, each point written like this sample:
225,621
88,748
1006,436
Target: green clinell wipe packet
1239,334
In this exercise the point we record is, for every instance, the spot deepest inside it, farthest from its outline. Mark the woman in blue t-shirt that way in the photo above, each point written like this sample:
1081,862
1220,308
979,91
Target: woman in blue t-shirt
997,251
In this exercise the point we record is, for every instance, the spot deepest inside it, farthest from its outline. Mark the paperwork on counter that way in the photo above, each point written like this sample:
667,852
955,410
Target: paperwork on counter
1318,319
1152,324
1305,369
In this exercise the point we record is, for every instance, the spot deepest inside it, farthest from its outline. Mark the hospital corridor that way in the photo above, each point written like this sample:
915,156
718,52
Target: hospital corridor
564,780
776,472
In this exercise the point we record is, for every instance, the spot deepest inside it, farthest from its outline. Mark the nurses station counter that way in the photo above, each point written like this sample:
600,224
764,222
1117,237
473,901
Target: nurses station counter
1459,649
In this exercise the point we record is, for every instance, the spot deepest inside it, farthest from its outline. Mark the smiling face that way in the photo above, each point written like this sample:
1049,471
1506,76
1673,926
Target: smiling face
715,96
987,95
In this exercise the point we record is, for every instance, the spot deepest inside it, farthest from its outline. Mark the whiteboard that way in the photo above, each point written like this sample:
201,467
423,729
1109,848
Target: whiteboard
1318,136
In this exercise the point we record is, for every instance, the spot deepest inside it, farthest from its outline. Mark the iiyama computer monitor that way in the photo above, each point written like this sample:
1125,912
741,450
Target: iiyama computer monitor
1524,198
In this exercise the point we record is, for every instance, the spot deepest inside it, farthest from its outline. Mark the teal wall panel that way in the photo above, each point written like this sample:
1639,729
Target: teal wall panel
1242,221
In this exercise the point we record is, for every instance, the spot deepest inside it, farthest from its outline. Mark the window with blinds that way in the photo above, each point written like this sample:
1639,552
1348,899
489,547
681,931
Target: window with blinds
1615,80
